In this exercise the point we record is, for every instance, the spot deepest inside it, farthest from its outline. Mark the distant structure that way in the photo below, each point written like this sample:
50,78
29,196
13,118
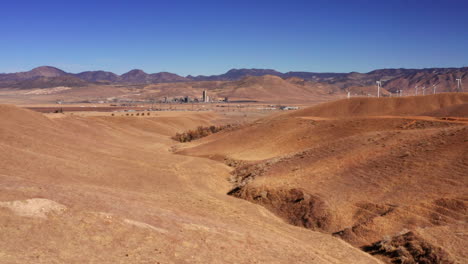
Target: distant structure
434,86
416,92
205,98
289,107
459,85
379,85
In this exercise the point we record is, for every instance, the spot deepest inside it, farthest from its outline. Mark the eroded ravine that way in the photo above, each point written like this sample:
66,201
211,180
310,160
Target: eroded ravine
369,188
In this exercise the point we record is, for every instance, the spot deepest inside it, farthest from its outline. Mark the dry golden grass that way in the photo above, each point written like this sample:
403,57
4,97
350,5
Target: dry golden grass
360,169
129,199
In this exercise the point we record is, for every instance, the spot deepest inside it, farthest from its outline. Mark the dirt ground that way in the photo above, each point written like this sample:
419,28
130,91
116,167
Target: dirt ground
365,170
110,189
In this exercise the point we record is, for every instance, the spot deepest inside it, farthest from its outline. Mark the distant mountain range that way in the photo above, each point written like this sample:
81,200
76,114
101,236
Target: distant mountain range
394,79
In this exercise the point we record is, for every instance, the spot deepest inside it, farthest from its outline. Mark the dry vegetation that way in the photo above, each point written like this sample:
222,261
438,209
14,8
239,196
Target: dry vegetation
200,132
409,248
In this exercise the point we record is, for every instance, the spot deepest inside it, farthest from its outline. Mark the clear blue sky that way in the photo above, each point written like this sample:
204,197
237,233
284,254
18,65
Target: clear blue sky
210,37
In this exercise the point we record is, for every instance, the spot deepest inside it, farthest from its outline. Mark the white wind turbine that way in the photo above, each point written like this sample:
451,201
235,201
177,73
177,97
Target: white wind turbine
379,85
459,85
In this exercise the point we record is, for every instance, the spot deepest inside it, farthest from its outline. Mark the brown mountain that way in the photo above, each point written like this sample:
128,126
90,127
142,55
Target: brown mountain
135,76
98,76
400,79
313,76
443,79
236,74
357,83
35,76
43,71
139,76
166,77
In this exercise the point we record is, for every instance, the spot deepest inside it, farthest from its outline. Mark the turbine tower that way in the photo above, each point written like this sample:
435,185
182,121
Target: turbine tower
424,90
379,85
416,93
434,86
459,85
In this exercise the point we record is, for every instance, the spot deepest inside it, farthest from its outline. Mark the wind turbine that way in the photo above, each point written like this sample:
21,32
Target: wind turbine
434,86
379,85
416,90
424,90
459,85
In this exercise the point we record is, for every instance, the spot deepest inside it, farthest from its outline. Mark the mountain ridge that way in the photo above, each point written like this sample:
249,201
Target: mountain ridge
394,79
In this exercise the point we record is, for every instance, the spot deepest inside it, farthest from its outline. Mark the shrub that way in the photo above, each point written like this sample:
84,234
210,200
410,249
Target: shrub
199,132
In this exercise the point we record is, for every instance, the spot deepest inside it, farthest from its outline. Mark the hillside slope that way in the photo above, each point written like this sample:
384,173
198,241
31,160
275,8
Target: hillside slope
272,88
109,190
411,105
364,170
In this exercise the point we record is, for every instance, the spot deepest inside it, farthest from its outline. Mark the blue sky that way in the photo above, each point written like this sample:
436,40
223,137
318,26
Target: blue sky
211,37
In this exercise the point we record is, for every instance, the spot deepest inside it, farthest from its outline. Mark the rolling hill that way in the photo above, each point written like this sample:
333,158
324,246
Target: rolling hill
266,88
271,88
109,190
374,172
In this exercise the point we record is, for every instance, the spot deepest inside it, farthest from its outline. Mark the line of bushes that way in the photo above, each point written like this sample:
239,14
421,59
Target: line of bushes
199,132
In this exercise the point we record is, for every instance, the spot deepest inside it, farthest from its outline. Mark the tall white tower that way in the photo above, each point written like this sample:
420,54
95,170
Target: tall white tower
379,85
459,85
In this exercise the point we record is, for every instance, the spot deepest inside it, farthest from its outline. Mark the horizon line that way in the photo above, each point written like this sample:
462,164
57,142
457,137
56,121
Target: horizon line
294,71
